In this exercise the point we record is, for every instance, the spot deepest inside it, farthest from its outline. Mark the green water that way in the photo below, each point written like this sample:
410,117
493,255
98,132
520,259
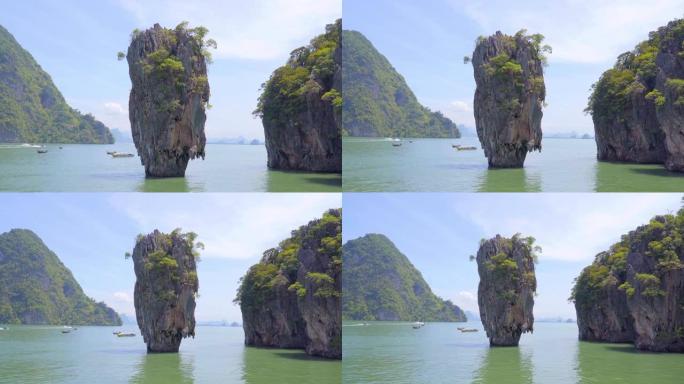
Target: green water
432,165
387,352
88,168
33,354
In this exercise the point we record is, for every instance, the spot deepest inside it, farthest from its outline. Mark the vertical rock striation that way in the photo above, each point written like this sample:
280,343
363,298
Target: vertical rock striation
301,107
638,105
168,70
509,96
165,288
291,298
634,292
507,286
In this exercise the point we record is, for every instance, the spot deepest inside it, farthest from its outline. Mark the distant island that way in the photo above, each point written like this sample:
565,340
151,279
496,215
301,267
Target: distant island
377,100
36,288
380,283
32,110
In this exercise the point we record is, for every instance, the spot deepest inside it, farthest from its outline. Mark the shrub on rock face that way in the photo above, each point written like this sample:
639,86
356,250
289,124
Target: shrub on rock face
170,92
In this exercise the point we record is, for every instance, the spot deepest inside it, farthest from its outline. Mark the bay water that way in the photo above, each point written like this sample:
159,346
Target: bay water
88,168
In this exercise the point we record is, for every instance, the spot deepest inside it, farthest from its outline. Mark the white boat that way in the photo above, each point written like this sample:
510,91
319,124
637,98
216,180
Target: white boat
125,334
121,154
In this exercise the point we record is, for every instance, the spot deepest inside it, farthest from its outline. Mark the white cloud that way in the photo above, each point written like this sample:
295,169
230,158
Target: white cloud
231,225
123,296
579,31
572,229
115,108
461,106
466,300
244,29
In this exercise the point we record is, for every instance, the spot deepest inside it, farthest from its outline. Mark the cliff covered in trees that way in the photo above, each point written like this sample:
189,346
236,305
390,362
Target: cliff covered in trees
32,110
509,96
377,100
638,105
634,291
507,287
165,288
380,283
170,92
301,107
291,298
36,288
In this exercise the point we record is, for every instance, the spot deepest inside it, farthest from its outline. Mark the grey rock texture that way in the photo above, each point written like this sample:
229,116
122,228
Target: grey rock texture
633,137
670,81
508,99
291,298
165,289
302,128
167,103
506,291
604,316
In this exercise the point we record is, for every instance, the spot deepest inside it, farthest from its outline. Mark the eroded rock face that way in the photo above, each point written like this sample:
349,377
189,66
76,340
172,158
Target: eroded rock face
165,289
670,80
301,107
603,314
634,136
639,283
637,106
507,286
291,298
509,97
168,98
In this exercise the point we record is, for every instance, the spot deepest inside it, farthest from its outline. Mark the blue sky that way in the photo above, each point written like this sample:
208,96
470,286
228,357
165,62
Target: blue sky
426,41
91,233
76,42
438,233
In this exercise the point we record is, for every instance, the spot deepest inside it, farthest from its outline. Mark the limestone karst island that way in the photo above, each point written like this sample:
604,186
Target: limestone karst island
301,107
291,298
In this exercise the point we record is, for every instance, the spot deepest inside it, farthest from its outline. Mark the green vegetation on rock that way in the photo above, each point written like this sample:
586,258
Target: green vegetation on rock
633,71
377,100
380,283
309,70
280,266
36,288
32,110
660,241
